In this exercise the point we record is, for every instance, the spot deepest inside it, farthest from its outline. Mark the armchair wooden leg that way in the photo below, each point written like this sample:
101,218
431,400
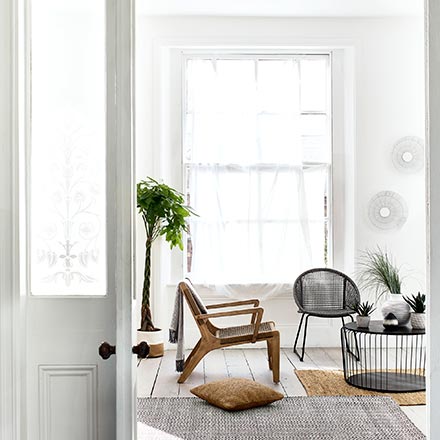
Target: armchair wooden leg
193,359
269,353
194,350
275,355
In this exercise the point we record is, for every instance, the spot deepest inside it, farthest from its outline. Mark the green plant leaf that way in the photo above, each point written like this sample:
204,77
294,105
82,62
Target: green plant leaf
377,271
164,213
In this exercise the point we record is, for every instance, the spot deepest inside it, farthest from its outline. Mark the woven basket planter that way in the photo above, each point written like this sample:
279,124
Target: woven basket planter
418,320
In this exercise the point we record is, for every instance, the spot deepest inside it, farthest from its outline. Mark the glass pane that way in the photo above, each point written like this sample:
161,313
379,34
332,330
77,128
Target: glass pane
286,251
281,194
313,84
316,149
277,86
279,139
223,194
68,149
315,183
314,125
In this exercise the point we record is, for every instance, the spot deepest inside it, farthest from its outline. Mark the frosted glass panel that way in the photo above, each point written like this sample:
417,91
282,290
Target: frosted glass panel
67,148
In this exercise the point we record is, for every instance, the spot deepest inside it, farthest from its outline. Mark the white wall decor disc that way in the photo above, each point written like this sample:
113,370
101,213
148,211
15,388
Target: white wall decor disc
387,210
408,154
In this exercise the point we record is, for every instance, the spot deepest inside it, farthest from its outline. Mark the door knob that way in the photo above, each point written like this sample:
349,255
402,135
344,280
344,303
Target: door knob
142,350
106,350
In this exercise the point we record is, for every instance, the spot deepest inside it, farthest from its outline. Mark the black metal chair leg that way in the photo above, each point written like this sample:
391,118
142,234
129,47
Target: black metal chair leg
301,358
297,335
357,356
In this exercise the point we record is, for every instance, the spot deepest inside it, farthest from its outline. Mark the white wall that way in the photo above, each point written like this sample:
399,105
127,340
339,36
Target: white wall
389,104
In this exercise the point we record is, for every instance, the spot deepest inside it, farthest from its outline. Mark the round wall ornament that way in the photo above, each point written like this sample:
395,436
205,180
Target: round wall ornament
387,210
408,154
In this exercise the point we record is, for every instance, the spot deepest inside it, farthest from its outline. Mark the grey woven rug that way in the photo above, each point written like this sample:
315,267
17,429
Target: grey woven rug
293,418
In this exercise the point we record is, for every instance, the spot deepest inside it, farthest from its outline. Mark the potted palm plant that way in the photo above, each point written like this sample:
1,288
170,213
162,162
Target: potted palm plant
164,213
378,271
418,306
363,310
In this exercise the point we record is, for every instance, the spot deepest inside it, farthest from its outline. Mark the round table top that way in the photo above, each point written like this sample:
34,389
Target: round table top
377,328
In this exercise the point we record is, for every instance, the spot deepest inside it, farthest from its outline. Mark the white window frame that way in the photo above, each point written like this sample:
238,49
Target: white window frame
166,140
257,56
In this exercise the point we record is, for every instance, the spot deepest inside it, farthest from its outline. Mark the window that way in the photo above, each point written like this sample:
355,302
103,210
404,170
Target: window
67,183
257,160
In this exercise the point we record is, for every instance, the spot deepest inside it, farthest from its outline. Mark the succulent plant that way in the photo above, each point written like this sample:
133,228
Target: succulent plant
416,302
364,309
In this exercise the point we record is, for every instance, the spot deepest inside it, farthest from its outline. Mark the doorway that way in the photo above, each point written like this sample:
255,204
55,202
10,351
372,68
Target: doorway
375,49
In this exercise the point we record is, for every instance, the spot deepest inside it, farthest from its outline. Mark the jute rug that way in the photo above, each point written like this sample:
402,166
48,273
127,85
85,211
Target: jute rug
332,383
298,418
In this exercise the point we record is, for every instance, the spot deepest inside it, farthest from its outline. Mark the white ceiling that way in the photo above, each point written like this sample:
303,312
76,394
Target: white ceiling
283,8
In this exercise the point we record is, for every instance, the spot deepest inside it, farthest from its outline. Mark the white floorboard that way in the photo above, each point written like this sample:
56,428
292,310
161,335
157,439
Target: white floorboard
158,377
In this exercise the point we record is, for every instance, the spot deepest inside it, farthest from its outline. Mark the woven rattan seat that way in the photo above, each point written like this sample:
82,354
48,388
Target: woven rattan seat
213,337
244,330
323,293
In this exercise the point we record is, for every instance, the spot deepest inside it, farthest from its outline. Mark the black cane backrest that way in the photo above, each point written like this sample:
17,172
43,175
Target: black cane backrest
325,289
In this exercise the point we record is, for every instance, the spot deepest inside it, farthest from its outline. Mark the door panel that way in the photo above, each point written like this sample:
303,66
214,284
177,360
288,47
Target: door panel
73,302
78,382
70,389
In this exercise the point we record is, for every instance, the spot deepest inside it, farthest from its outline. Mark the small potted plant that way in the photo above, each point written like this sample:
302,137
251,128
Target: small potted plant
418,306
164,213
378,271
363,310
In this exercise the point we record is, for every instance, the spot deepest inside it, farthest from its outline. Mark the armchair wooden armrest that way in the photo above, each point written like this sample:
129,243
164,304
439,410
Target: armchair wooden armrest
257,315
255,302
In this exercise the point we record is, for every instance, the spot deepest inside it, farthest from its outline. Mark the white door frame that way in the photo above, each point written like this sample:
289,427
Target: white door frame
10,329
125,202
432,27
12,354
10,301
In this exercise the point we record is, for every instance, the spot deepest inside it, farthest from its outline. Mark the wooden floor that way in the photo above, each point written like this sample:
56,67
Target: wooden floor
158,378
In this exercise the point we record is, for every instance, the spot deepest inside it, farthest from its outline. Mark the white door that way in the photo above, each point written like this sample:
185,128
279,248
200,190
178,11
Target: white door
76,230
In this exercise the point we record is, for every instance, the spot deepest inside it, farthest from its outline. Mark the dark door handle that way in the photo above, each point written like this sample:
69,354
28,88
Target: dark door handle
142,350
106,350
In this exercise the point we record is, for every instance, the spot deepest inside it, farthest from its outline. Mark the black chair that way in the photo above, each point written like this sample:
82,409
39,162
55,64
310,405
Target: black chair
324,293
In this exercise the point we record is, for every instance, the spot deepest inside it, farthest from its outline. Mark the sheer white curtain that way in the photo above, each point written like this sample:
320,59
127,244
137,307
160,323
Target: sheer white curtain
261,210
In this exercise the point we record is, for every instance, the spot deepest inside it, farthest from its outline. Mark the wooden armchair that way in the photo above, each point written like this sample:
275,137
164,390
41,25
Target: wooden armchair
212,337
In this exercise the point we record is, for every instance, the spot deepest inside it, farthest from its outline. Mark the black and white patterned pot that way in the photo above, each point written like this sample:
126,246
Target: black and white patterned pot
396,305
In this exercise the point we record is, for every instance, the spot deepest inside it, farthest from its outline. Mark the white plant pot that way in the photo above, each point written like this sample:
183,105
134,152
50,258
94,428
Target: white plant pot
396,305
362,321
154,339
418,321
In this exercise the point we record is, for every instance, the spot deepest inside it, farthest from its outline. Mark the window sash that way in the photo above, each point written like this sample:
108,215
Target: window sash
191,165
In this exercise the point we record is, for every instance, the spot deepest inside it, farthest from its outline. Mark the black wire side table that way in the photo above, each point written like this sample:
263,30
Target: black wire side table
380,359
